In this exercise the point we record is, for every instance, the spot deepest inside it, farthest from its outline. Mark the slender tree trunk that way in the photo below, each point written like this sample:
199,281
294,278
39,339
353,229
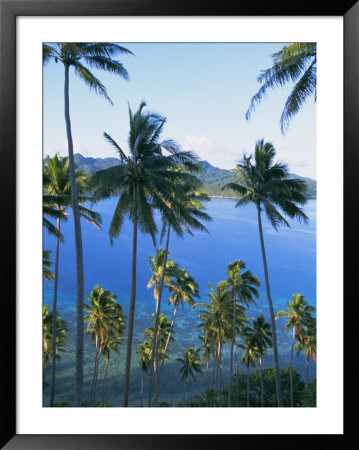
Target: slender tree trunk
105,374
141,391
307,373
214,371
207,367
131,315
261,376
291,370
248,387
54,312
95,373
219,366
237,380
164,354
79,253
184,393
154,356
231,358
271,310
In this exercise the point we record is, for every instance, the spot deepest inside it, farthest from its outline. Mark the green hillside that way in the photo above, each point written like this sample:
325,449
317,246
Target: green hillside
212,177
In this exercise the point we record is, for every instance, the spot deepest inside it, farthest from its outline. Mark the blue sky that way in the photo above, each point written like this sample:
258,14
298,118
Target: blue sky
202,89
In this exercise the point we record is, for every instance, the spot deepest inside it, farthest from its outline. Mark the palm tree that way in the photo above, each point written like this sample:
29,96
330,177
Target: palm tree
80,56
191,364
260,338
295,63
46,265
105,320
299,318
249,358
266,184
242,287
187,210
47,336
217,322
308,343
111,343
56,183
144,180
144,351
183,288
162,270
209,350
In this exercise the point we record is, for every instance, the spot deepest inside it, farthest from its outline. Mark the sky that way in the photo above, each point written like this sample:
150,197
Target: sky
203,90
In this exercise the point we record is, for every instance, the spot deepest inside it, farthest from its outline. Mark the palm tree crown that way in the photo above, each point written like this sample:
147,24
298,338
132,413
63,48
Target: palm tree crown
267,185
296,63
97,55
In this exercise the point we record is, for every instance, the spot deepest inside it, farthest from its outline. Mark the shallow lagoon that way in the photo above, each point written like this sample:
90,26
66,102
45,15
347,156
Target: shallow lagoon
233,234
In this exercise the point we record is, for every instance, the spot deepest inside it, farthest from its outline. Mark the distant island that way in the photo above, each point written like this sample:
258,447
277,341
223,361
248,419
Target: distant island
212,177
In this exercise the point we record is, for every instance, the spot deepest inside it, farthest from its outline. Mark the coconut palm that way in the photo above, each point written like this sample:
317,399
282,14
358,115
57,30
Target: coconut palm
191,364
299,318
183,289
80,56
260,338
47,337
46,265
162,269
164,328
144,180
266,184
209,350
57,186
295,63
111,343
249,358
144,351
308,343
188,209
242,287
105,321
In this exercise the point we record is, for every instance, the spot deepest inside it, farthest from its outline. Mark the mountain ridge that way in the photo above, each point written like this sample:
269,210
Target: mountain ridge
213,178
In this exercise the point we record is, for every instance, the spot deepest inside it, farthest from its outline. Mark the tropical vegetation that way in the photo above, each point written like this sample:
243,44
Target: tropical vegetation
160,190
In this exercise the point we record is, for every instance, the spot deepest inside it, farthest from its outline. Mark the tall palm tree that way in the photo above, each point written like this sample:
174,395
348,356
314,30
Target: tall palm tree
162,269
105,320
295,63
191,364
242,287
47,337
144,180
217,322
299,318
188,209
144,351
260,338
249,359
57,187
308,343
266,184
183,289
111,343
80,56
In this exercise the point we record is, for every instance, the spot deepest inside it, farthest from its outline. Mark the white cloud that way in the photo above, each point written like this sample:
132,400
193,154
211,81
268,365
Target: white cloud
207,150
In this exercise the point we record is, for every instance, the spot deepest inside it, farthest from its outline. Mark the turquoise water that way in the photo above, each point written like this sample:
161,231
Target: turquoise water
233,234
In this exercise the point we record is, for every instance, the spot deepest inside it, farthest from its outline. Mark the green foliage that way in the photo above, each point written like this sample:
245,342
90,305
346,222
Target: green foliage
270,396
309,395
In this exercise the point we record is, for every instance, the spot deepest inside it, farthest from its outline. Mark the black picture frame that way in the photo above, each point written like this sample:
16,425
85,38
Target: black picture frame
9,10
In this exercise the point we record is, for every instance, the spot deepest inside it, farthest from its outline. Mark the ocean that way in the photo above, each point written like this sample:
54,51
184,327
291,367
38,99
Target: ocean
233,234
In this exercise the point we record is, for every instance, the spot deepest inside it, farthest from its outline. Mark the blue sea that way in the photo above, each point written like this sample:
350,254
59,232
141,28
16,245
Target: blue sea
233,234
